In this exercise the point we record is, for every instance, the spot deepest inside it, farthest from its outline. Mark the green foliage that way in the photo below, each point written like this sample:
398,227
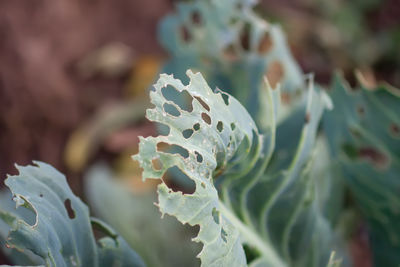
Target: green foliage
272,210
138,220
364,134
231,46
257,195
61,232
198,160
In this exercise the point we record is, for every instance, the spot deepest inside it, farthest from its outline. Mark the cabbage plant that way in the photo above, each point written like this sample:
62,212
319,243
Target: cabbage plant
238,198
262,179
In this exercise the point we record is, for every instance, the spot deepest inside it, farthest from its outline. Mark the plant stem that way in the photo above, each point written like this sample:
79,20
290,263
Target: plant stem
253,238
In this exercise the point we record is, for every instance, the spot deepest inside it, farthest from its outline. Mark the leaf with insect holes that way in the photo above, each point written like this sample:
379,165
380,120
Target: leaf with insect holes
364,136
113,200
237,199
232,47
62,231
217,124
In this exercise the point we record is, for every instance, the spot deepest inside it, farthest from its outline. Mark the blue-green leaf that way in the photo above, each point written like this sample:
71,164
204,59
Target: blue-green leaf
232,47
61,233
364,136
160,242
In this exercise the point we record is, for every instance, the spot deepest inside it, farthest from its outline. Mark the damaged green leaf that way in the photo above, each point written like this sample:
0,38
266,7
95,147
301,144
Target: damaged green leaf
61,233
237,199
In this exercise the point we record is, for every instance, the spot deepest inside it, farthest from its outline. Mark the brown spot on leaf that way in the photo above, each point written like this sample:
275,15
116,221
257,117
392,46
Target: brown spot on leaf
196,18
275,73
394,130
307,118
202,103
157,164
185,34
230,53
265,44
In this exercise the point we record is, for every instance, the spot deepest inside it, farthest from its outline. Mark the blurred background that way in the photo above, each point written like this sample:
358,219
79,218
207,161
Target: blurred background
74,75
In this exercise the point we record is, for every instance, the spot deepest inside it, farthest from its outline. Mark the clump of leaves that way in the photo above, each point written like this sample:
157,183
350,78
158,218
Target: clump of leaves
61,232
256,196
232,47
237,199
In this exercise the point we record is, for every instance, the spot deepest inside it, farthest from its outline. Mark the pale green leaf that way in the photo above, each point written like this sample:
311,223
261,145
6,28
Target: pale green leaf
61,233
237,198
221,239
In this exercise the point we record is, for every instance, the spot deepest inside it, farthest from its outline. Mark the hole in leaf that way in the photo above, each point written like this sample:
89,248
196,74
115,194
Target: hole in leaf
196,230
163,129
245,37
196,18
171,109
157,164
199,157
28,213
251,253
206,118
68,207
181,182
182,99
233,126
274,73
196,127
307,118
202,103
215,214
220,126
225,97
187,133
99,231
224,235
172,149
41,195
373,155
185,34
265,44
351,81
